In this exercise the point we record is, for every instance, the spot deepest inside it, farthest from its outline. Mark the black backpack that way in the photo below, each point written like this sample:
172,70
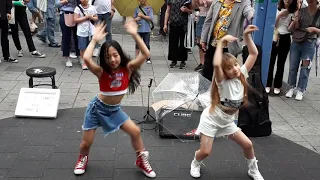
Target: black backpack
254,119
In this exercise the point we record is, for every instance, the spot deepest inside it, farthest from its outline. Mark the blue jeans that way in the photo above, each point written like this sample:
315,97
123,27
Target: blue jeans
106,18
48,31
299,52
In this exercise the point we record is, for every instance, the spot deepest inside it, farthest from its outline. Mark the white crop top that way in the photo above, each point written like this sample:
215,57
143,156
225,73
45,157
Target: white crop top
231,90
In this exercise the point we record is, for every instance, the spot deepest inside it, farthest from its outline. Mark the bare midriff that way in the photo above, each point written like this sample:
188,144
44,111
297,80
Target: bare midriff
112,100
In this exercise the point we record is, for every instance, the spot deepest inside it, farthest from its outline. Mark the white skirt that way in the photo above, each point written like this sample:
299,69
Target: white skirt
217,123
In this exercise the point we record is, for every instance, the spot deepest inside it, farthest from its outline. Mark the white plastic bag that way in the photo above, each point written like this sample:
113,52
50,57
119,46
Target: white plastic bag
12,20
189,40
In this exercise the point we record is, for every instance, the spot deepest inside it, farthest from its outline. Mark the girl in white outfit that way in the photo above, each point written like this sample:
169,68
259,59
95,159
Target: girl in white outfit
229,92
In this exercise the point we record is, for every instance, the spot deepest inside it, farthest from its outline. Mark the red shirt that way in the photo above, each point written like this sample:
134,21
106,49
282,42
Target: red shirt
112,84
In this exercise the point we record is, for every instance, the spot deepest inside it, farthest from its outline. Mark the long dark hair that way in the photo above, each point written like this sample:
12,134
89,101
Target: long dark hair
292,7
135,75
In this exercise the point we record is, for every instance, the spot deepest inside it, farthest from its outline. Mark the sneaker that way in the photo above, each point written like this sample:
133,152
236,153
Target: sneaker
173,64
299,96
195,167
20,53
84,66
267,90
148,61
96,52
73,55
38,54
142,162
12,60
81,165
183,65
198,68
68,63
253,171
289,94
276,91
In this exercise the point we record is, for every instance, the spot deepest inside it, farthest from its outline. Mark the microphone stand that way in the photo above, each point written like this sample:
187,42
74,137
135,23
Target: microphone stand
148,117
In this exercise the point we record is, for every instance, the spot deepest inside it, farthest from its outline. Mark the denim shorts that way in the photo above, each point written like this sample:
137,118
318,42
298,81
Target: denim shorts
83,43
200,25
109,117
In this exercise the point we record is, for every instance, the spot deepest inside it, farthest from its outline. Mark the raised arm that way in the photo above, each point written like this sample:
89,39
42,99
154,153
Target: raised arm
132,28
217,59
87,57
253,51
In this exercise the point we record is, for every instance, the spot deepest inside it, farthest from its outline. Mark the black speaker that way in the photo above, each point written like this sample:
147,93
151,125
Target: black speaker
179,123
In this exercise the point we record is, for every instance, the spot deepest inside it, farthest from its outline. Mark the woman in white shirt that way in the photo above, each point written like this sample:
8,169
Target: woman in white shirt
281,44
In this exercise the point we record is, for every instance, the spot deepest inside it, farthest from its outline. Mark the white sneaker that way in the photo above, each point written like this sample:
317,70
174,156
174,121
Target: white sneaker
20,53
268,90
299,96
68,63
276,91
195,167
253,171
96,52
73,55
289,94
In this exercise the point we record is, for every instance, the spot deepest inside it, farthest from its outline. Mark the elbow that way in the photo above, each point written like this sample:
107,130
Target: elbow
254,53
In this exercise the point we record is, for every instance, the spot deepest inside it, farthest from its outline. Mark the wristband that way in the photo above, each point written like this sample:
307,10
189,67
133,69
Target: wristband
113,10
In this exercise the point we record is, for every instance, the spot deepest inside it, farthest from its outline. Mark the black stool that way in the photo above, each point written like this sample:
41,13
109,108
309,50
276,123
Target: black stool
41,72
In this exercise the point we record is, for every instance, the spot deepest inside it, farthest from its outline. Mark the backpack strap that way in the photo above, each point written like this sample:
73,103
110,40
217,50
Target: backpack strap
81,9
144,13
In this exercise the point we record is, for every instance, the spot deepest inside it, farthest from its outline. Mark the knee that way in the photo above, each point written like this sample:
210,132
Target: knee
136,132
247,145
306,64
85,144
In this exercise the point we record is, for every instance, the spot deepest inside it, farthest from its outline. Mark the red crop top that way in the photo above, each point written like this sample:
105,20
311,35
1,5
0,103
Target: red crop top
114,83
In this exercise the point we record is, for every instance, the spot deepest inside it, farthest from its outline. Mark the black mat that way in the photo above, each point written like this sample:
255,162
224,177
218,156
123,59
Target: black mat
48,149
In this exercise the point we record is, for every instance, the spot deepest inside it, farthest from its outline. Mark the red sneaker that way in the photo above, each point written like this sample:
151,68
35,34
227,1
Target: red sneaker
81,165
142,162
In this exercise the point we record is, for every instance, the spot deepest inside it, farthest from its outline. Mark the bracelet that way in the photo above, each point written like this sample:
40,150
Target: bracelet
113,10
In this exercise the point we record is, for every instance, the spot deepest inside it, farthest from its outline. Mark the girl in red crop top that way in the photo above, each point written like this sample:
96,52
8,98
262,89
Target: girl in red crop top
117,74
